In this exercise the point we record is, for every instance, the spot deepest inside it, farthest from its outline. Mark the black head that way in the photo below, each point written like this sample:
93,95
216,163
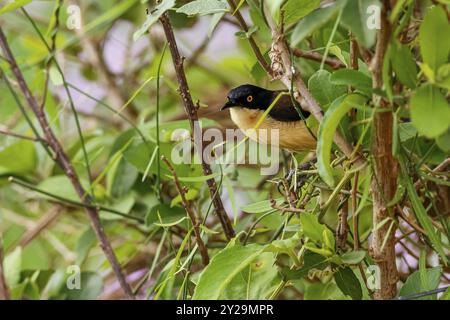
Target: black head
249,96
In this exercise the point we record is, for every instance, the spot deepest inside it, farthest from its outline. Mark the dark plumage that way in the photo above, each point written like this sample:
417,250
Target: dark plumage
261,100
247,104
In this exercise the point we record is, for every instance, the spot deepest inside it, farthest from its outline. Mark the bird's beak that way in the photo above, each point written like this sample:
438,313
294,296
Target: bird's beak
227,105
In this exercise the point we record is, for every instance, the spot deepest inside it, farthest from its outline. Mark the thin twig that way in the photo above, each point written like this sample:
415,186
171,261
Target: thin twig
188,207
52,52
41,225
72,203
64,162
66,89
191,112
315,56
283,210
19,136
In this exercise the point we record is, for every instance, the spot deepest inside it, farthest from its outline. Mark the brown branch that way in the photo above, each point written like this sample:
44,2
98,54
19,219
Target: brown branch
40,226
191,112
20,136
409,221
283,210
442,166
354,50
188,207
385,170
315,56
63,161
342,227
4,291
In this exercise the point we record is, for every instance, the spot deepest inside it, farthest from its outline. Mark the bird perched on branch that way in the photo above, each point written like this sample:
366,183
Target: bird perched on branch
247,104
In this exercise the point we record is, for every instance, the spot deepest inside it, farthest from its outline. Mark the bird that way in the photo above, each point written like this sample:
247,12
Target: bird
248,102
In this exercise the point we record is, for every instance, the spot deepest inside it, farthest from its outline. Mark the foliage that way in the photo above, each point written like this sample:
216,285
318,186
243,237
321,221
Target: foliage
125,93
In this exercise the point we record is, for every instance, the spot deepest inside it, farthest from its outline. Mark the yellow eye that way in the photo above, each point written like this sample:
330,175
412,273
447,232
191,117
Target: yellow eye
249,98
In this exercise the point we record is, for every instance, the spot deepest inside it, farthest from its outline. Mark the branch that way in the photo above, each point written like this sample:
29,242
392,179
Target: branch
43,223
72,203
63,161
385,169
273,204
315,56
187,206
191,112
20,136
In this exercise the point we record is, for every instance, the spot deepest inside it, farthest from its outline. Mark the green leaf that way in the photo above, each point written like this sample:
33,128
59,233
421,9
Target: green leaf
356,17
404,65
254,282
322,251
91,286
332,117
121,178
284,245
322,291
421,213
323,89
216,18
443,141
423,269
222,269
84,244
261,206
446,294
59,185
430,111
190,195
433,38
314,21
273,7
55,76
311,261
311,227
354,78
153,17
13,266
294,10
203,7
348,283
167,214
413,284
11,6
353,257
19,157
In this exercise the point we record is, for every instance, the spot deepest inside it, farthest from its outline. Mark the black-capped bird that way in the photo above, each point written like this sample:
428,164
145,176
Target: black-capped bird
247,104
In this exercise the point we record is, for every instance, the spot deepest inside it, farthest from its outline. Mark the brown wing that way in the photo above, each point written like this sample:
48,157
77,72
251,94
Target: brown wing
285,111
